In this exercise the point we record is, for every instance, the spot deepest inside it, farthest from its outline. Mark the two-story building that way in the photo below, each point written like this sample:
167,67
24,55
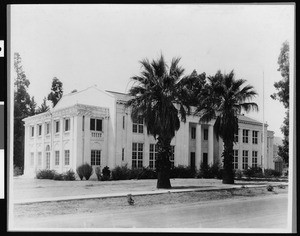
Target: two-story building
92,126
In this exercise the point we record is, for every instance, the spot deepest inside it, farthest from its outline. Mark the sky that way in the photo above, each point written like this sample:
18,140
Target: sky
97,44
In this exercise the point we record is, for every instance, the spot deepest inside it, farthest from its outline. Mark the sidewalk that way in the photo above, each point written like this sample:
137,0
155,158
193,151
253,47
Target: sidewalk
147,191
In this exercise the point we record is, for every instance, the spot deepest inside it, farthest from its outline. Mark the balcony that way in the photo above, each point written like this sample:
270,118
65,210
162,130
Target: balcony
97,135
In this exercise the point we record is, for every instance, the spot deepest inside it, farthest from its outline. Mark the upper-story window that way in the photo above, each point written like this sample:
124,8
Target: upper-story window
123,122
57,126
47,128
31,131
254,137
95,124
39,129
67,124
205,134
193,132
137,126
245,135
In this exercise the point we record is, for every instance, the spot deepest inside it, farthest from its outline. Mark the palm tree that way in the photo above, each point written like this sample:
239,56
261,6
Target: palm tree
223,99
161,100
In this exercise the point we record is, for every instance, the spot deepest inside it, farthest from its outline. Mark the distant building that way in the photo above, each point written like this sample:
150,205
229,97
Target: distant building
279,164
92,126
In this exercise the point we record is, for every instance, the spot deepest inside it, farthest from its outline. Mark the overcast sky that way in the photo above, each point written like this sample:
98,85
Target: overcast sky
85,45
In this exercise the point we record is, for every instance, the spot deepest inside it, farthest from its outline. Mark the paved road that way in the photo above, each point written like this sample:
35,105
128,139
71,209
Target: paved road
255,212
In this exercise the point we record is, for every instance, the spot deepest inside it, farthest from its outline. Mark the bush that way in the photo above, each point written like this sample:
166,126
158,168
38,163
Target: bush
120,173
105,173
253,172
238,174
270,188
58,176
213,171
85,171
45,174
69,175
147,173
182,172
18,170
272,173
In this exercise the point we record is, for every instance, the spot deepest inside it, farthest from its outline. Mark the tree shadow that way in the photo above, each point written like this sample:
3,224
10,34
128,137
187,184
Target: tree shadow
189,187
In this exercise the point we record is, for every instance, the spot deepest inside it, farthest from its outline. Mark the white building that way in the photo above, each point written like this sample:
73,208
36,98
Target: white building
92,126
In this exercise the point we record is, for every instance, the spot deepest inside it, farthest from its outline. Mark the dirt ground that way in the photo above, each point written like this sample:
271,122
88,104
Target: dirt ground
107,205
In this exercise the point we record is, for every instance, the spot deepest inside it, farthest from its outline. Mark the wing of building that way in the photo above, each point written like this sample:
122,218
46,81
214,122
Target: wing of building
92,126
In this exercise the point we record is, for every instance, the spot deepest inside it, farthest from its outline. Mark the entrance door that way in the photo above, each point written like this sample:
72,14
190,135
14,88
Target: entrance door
193,160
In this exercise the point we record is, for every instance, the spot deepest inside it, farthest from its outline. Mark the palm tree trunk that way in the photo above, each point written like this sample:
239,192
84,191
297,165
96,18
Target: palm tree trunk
228,175
163,163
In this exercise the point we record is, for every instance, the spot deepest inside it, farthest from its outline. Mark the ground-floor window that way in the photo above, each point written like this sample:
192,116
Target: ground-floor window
137,155
39,158
47,160
95,157
32,158
67,157
56,158
152,155
254,158
172,157
245,159
235,159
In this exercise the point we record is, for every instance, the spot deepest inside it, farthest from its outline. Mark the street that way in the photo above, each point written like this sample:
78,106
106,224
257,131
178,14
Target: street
253,212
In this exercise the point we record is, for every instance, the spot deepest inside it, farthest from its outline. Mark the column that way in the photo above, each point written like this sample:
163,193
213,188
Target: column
210,144
198,146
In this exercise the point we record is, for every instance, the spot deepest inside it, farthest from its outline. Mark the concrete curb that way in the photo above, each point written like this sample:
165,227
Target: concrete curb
155,192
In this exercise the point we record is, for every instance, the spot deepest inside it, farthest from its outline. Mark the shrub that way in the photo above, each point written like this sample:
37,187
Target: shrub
58,176
105,173
45,174
147,173
270,188
18,170
69,175
238,174
253,172
272,173
213,171
182,172
85,171
204,171
120,173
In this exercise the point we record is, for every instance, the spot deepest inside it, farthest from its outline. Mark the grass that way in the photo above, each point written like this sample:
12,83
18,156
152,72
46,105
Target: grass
146,201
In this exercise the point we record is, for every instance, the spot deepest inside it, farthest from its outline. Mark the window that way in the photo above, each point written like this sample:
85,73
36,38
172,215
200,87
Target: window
39,158
254,137
123,122
137,155
82,123
254,158
193,132
95,157
67,125
123,153
205,134
39,130
172,157
48,157
137,126
236,138
235,159
32,131
32,158
245,135
47,128
67,157
205,159
57,126
56,158
152,155
245,159
96,124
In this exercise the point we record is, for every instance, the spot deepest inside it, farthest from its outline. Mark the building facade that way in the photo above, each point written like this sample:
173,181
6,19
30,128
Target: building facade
92,126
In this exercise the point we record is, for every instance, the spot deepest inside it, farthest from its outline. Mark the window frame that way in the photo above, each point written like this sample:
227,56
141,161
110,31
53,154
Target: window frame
254,137
57,126
96,157
245,135
67,157
254,159
235,159
39,130
138,125
152,155
245,163
31,131
205,134
95,122
137,155
56,158
67,121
